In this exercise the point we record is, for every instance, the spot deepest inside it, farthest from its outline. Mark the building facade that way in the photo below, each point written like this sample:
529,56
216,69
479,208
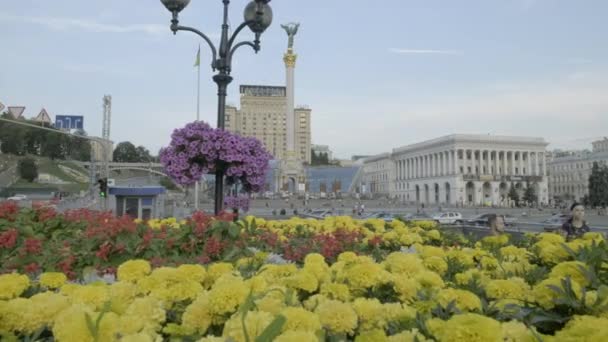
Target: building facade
263,115
463,170
570,171
378,175
322,149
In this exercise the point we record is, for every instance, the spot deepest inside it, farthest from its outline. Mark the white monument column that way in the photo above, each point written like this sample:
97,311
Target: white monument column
290,64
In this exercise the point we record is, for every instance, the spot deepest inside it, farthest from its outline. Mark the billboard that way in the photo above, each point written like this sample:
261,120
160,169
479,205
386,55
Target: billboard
69,121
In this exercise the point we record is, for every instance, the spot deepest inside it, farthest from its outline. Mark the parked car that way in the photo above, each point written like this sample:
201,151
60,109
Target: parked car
17,197
318,213
448,218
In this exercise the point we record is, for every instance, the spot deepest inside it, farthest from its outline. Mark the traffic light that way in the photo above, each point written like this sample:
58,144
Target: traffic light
103,187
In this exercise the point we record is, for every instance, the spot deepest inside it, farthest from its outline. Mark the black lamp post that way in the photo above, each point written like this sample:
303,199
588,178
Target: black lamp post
257,16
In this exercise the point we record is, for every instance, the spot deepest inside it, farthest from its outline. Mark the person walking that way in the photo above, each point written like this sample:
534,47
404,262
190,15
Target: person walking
576,226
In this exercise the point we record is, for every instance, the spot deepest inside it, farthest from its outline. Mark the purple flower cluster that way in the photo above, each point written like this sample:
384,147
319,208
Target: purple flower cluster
237,202
199,149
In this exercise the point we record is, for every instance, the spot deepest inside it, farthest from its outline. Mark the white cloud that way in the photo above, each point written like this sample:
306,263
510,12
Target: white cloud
64,24
425,51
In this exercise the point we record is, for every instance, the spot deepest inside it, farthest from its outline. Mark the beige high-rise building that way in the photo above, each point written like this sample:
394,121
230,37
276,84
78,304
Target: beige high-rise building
263,115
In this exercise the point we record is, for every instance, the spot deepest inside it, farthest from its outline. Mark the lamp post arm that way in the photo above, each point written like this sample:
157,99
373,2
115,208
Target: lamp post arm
253,46
176,28
237,31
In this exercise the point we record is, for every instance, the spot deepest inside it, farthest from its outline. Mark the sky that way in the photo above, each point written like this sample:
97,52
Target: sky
376,74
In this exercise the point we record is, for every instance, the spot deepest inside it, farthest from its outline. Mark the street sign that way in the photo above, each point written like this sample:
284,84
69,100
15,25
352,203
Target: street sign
1,106
111,182
69,121
16,111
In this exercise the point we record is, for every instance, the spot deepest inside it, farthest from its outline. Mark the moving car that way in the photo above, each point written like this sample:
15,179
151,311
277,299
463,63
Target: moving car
387,217
448,218
554,222
17,197
418,217
481,220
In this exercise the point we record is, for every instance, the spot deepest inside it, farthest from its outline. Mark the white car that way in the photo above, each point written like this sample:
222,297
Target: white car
17,198
448,218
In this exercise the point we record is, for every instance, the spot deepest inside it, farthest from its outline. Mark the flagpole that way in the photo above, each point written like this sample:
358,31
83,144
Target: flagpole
198,116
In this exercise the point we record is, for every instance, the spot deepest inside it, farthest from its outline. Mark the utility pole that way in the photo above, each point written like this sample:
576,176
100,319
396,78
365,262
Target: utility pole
105,135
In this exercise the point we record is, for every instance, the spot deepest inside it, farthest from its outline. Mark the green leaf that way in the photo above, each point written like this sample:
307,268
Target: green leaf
234,231
272,330
91,325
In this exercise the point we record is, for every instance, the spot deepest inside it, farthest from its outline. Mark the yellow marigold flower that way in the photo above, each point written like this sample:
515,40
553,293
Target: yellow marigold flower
431,251
370,312
513,288
495,241
13,285
276,273
139,337
375,335
574,269
347,257
314,301
43,309
514,331
216,270
257,284
512,253
545,295
489,263
551,238
337,317
212,339
71,325
434,235
336,291
472,274
361,276
407,336
52,280
506,305
410,239
195,273
225,297
144,314
133,270
436,264
464,300
315,264
299,335
303,280
274,301
471,328
430,279
510,268
300,319
94,296
550,252
122,294
403,264
464,257
197,315
255,323
584,328
398,313
406,287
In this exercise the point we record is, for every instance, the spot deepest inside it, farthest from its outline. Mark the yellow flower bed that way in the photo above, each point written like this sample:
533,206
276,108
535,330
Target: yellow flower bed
461,294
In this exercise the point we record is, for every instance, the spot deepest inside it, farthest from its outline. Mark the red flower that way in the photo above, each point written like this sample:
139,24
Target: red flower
33,246
8,239
32,268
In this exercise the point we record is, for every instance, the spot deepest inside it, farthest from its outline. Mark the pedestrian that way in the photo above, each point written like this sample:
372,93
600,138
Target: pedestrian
497,224
576,226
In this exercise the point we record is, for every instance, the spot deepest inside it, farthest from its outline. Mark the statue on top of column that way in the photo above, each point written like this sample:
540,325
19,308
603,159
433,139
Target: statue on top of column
291,29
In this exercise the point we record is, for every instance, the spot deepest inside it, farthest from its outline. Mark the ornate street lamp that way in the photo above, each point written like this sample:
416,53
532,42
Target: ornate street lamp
257,16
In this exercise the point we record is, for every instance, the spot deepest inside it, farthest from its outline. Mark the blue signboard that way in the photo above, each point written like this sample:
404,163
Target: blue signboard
69,121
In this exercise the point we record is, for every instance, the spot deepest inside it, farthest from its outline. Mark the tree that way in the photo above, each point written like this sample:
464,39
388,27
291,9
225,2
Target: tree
27,169
513,195
598,186
143,155
318,159
126,152
529,194
168,183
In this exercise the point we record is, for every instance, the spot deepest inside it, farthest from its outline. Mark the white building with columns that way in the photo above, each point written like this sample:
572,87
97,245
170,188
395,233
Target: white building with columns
466,169
378,175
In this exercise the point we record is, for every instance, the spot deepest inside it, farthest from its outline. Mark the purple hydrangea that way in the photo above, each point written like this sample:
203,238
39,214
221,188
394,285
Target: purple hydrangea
199,149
